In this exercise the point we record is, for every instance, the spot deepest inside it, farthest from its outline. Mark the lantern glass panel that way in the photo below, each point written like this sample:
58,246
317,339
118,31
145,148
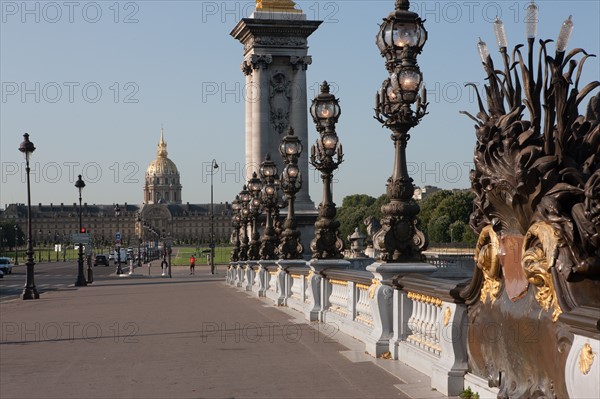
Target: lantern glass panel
292,171
326,110
406,34
330,141
409,80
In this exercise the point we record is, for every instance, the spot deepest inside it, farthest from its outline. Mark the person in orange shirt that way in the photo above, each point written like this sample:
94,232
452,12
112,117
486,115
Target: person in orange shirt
192,264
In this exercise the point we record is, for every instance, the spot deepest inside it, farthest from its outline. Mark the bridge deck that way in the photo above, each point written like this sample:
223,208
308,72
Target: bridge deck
185,337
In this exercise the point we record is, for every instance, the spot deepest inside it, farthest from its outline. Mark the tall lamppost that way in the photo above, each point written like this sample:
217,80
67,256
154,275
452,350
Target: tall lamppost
80,184
400,39
56,244
118,244
326,155
50,243
270,200
39,239
17,243
29,291
213,167
245,199
255,208
291,182
236,223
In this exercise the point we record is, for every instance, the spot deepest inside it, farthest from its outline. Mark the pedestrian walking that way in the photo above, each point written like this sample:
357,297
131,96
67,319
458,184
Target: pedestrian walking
192,264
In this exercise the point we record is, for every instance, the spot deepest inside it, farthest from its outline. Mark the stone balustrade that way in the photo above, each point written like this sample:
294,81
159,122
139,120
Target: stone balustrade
416,319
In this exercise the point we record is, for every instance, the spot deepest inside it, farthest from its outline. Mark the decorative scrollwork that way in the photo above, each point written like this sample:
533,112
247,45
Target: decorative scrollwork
486,259
540,250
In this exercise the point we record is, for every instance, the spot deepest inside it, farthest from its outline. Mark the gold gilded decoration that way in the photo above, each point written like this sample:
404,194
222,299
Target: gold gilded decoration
277,6
363,287
586,359
425,298
486,259
374,283
540,248
338,282
447,315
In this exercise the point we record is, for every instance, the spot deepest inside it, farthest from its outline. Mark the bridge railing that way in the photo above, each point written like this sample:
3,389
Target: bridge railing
415,319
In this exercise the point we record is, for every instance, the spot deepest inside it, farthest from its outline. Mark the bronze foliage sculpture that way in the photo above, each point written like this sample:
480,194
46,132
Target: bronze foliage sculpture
537,211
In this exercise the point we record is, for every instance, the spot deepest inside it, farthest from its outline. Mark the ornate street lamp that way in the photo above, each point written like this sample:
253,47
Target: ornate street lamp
56,244
245,198
80,184
236,223
326,155
118,246
270,201
29,291
39,239
291,182
17,242
50,244
214,166
254,186
400,39
401,36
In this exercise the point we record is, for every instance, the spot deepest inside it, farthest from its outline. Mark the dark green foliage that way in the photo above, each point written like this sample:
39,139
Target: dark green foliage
355,208
447,209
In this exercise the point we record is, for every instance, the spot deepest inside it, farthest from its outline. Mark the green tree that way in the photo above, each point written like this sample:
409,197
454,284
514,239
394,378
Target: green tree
439,229
429,205
456,205
355,208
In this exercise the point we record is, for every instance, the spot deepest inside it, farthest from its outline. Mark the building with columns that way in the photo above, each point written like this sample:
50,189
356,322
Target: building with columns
162,210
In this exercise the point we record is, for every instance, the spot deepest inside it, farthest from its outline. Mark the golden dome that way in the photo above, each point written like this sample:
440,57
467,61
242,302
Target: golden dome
162,165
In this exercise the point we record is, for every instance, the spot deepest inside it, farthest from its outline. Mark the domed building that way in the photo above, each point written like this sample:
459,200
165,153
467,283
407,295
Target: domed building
162,184
162,215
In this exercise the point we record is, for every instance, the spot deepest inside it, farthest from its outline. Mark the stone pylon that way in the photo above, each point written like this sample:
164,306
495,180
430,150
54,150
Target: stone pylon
275,64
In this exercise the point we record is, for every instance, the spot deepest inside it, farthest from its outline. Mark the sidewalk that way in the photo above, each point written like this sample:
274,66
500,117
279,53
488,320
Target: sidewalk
184,337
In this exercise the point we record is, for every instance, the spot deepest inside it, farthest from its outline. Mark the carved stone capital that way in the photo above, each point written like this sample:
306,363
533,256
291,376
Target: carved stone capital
300,63
256,61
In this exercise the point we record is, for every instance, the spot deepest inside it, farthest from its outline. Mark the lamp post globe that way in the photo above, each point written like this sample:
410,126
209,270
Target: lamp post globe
29,291
290,246
270,200
255,209
244,220
214,166
326,155
400,39
80,184
119,271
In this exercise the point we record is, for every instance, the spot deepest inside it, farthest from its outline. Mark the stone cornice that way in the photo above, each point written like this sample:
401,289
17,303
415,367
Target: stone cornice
249,29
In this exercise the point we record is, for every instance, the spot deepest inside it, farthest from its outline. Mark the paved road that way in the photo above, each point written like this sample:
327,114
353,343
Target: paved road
181,337
49,277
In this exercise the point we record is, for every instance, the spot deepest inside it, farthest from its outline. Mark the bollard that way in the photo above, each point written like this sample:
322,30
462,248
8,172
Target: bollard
149,265
130,267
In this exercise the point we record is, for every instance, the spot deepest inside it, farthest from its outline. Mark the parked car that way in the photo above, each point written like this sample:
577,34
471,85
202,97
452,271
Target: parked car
100,260
5,265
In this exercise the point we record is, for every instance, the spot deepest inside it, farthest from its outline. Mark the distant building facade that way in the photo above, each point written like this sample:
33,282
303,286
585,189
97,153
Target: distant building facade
162,210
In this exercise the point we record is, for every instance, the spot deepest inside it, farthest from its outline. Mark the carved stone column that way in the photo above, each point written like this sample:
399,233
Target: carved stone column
275,63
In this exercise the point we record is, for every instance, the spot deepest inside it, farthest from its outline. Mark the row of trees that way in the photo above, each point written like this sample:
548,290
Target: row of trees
444,215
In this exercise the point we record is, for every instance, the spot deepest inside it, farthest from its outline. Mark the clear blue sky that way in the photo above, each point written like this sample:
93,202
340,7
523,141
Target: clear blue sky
107,74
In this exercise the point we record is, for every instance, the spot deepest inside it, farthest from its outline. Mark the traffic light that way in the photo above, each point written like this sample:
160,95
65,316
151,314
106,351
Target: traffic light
83,230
